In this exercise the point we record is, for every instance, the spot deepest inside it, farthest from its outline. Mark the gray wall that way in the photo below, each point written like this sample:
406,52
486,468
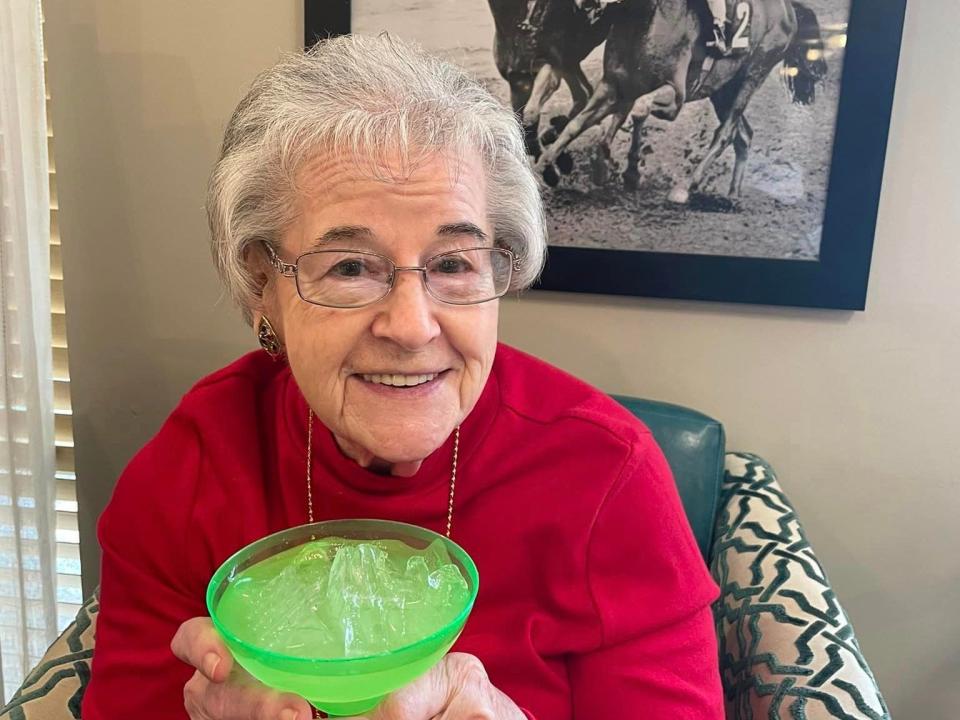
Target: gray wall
855,410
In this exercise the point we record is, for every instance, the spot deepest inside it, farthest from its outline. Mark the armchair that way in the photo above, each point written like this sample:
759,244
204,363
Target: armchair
787,649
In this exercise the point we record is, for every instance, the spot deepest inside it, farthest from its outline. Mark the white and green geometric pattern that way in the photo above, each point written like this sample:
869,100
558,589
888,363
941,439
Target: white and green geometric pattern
54,688
787,649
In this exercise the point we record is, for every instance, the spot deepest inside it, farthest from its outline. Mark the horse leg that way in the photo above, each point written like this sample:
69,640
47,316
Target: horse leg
520,89
663,101
631,176
602,162
580,90
603,100
743,136
722,138
741,146
544,85
680,194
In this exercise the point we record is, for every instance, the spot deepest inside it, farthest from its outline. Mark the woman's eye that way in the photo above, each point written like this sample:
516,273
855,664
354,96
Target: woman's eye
348,268
452,265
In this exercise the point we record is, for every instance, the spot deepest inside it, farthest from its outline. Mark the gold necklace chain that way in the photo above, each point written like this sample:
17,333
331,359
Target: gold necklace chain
453,472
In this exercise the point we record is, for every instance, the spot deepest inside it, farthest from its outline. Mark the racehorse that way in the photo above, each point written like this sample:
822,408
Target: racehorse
655,60
537,44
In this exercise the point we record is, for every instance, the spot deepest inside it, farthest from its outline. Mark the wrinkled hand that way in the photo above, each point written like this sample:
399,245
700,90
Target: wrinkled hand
457,688
221,689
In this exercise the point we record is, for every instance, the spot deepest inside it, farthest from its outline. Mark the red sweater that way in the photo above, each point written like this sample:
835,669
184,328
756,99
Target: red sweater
594,602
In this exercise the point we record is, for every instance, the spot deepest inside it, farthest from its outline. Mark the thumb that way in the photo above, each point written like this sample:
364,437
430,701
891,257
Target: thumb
198,644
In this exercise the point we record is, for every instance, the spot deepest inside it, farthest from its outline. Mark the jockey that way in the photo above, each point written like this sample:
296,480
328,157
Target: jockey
529,24
718,9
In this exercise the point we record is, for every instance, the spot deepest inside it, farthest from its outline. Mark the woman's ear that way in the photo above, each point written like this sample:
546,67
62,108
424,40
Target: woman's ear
265,283
258,265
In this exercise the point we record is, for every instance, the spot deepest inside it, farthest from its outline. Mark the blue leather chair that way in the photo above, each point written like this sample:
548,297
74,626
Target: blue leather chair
693,444
787,649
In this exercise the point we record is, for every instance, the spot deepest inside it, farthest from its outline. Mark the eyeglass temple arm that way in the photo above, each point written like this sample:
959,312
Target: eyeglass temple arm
283,268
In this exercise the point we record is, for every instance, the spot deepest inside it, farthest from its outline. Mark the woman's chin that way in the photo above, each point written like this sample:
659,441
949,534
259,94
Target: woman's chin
399,452
408,452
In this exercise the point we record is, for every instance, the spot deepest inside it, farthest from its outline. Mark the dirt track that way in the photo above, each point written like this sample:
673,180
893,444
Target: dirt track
784,191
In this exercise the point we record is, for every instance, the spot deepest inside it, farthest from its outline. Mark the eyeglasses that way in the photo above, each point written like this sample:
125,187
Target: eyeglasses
355,278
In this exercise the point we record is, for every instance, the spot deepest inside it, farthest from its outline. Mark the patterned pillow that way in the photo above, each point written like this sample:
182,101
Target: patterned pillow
54,688
787,650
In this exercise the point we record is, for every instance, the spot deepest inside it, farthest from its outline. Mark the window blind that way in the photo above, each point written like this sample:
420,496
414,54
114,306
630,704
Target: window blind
69,591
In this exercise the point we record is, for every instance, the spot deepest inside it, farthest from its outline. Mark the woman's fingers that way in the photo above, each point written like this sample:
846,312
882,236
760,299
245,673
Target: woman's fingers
198,644
243,698
423,699
222,690
456,688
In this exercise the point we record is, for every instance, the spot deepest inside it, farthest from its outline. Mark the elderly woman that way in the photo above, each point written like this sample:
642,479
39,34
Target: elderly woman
369,207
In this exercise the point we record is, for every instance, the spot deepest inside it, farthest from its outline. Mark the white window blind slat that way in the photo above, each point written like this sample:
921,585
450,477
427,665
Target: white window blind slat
57,306
66,497
54,226
64,456
61,366
61,397
59,331
54,201
56,263
63,429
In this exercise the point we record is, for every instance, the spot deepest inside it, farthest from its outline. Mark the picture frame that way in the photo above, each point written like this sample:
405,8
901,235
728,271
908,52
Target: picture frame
838,277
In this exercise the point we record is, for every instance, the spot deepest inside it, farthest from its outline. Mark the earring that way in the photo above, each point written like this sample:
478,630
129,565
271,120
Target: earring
267,337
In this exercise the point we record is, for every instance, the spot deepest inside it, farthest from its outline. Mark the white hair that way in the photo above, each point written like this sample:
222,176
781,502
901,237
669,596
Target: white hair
368,99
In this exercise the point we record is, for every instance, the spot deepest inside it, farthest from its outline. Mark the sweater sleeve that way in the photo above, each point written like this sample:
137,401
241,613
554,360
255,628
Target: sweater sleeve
652,592
147,587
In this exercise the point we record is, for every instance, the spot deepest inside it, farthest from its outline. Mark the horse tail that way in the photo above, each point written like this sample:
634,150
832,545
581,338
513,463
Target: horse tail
804,65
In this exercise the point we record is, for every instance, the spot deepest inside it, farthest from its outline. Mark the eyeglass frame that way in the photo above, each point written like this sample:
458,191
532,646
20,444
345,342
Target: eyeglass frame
291,271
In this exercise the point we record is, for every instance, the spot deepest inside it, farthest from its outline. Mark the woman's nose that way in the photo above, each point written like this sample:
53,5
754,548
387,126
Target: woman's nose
408,314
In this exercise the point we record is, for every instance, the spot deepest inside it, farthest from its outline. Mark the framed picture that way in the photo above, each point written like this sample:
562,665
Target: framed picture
727,150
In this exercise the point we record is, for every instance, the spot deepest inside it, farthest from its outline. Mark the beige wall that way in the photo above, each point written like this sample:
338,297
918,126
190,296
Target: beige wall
855,410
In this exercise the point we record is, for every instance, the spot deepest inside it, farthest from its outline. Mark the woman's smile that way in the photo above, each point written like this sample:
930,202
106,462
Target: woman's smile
401,386
399,380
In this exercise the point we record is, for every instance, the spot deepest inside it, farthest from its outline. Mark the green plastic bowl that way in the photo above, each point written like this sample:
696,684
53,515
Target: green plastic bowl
341,686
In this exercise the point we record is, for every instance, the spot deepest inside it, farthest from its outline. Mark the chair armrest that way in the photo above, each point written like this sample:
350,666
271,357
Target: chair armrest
54,688
787,649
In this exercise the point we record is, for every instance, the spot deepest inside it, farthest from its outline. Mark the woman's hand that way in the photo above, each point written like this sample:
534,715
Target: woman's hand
457,688
222,690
